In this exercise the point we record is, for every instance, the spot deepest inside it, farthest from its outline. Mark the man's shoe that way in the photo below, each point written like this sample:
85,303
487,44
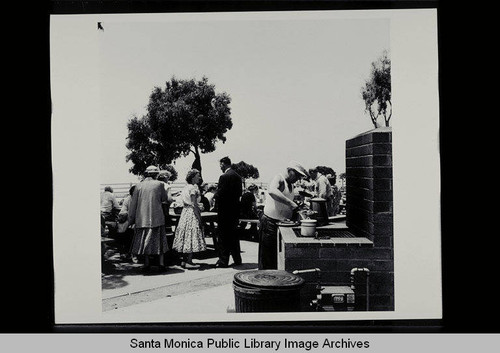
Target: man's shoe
239,263
221,265
190,266
162,268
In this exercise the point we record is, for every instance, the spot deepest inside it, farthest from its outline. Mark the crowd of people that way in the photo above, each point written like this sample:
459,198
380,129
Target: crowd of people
143,219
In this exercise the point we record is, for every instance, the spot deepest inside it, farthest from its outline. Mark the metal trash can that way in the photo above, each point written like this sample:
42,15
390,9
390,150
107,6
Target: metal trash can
267,291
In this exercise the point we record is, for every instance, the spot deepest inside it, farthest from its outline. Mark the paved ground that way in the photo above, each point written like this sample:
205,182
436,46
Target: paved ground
129,292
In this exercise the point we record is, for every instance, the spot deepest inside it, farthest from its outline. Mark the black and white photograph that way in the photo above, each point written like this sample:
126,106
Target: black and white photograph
246,166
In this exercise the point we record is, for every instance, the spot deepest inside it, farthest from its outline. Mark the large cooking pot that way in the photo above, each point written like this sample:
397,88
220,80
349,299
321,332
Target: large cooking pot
318,204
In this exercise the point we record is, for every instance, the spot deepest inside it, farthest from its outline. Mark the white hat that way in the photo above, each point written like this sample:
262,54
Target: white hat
299,168
152,169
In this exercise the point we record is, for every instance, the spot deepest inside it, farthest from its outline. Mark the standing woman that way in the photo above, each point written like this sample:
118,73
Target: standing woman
123,226
189,236
146,212
164,176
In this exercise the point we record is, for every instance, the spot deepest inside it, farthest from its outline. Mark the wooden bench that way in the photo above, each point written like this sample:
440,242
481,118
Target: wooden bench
106,240
244,220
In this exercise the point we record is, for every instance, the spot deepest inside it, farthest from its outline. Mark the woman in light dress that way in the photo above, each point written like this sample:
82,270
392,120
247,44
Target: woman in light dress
189,237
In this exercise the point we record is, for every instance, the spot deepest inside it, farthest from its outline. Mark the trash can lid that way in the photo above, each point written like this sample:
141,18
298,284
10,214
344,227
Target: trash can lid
269,279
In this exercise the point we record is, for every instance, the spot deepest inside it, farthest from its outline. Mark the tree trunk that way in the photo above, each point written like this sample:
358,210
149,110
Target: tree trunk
373,117
197,161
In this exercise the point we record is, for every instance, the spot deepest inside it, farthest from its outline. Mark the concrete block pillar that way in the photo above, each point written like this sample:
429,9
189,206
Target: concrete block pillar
369,206
369,186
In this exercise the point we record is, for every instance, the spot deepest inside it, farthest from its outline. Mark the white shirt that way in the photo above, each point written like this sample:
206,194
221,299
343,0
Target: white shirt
276,209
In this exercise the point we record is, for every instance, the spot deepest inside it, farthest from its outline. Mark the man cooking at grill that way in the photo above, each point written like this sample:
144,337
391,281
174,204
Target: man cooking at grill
323,188
279,207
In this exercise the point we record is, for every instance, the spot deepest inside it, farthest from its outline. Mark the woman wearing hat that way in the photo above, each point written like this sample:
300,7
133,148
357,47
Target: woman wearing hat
164,177
279,207
146,212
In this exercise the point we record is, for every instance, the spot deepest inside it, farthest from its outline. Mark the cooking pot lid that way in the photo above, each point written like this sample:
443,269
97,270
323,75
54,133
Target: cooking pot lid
270,279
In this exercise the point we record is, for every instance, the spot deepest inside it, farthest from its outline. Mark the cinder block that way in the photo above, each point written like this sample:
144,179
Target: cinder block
356,182
336,278
357,231
361,193
373,149
382,148
381,303
382,160
337,253
292,264
359,215
383,285
368,183
382,195
382,241
383,183
373,136
382,206
303,252
362,150
365,253
382,266
359,161
359,203
348,265
382,217
379,229
377,172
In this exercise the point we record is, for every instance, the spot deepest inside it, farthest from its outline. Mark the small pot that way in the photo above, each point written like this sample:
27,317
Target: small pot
308,227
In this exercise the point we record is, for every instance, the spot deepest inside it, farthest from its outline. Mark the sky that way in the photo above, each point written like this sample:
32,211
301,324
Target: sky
294,83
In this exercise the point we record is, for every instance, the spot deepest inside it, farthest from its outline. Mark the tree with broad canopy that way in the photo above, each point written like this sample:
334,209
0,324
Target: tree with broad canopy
245,171
186,117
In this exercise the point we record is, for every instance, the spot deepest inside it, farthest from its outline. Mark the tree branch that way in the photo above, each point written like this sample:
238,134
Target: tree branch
390,114
373,118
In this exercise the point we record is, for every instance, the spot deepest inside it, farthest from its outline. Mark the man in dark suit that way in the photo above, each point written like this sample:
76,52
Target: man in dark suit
228,203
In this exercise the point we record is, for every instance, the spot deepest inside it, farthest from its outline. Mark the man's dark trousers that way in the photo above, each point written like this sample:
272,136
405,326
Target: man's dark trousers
229,242
228,209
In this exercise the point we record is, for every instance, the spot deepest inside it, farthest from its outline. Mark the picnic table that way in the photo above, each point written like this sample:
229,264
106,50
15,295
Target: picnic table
205,216
208,218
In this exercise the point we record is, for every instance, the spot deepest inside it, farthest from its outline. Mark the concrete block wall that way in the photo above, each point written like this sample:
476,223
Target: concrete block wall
336,263
369,208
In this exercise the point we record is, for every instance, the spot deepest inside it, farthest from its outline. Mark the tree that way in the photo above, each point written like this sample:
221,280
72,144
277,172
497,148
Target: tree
342,177
185,117
171,169
326,170
377,90
245,171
